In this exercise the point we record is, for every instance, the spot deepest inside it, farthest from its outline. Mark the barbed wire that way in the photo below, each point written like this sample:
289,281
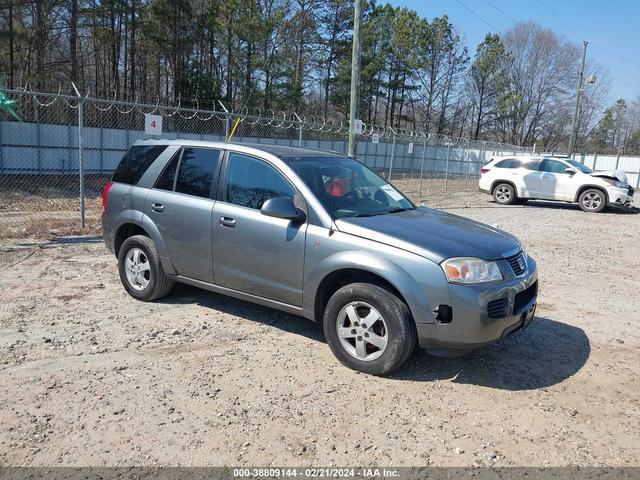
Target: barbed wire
258,117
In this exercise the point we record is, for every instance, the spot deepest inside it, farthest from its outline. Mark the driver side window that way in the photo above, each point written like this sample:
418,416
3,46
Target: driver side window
251,182
553,166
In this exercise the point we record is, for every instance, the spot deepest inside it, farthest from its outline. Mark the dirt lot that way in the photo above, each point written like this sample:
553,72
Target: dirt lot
88,376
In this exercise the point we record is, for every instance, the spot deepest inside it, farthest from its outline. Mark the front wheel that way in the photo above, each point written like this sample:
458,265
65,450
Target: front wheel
369,329
592,200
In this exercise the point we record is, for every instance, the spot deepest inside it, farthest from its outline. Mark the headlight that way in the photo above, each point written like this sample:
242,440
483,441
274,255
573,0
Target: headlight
470,270
616,183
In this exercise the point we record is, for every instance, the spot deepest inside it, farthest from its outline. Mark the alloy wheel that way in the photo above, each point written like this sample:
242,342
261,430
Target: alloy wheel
592,200
362,331
137,269
503,194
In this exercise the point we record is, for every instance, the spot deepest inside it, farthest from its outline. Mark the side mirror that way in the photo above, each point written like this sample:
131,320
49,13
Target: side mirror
283,207
569,170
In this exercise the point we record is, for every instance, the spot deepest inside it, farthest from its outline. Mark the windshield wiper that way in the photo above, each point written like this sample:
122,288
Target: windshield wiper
384,212
369,214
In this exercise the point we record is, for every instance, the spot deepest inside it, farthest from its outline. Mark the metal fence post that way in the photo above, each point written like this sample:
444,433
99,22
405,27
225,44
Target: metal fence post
446,168
299,129
595,161
466,176
393,150
80,159
617,161
424,152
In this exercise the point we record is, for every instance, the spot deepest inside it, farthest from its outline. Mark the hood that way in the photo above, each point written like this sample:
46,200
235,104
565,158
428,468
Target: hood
614,174
433,234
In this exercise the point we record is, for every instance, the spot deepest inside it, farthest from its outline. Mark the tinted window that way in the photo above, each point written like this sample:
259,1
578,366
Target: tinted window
196,171
251,182
509,163
168,176
532,165
135,163
579,166
553,166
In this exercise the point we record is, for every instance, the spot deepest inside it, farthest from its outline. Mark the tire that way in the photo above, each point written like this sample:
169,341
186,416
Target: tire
592,200
504,194
150,282
360,351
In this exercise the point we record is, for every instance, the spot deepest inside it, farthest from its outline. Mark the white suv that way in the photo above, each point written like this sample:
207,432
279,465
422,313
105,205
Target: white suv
510,179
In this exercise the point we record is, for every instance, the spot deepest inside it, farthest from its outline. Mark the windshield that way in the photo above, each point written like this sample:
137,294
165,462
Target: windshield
346,188
580,166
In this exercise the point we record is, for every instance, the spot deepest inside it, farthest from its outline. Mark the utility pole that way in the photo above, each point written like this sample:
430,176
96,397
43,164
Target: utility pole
355,76
574,123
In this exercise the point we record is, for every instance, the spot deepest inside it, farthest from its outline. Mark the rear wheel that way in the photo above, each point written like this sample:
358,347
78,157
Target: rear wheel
140,269
592,200
369,328
504,194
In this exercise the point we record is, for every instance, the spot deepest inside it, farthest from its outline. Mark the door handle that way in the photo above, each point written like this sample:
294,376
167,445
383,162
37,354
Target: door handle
228,222
157,207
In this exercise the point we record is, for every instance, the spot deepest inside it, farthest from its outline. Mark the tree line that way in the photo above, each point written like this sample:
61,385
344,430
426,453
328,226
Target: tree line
295,55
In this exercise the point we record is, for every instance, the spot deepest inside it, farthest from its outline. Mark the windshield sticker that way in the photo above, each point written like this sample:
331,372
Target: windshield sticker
392,192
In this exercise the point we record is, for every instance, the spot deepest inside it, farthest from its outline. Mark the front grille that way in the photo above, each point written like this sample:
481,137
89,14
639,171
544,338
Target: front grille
518,263
497,308
523,298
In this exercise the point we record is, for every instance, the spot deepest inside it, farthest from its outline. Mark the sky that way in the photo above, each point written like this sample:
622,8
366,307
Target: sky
612,28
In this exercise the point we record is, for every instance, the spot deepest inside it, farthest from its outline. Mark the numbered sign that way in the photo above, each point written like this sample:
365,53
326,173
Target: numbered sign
410,148
153,124
375,138
357,126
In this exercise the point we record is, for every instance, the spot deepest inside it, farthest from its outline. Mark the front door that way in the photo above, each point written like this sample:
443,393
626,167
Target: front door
254,253
181,205
555,183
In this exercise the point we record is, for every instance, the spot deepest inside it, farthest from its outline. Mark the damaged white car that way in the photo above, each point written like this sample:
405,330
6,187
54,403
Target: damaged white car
521,178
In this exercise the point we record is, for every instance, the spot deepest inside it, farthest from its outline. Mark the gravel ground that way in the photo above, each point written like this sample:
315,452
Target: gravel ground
89,376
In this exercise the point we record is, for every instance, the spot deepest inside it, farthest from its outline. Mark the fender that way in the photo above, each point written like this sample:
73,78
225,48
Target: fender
414,293
496,182
146,223
582,188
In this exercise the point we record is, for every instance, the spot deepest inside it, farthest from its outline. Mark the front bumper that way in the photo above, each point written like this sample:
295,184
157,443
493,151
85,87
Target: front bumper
471,325
620,197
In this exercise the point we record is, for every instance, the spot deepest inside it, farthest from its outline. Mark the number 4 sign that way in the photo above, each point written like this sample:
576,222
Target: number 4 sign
153,124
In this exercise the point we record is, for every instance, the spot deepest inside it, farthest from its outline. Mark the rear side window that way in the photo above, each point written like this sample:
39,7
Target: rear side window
135,163
196,171
532,165
509,163
168,176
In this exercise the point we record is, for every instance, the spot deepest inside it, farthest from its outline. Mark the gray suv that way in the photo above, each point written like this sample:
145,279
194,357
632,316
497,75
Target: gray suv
319,235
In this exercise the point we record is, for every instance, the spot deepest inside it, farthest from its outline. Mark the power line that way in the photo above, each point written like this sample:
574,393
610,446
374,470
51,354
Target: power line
477,16
635,85
560,19
502,12
611,52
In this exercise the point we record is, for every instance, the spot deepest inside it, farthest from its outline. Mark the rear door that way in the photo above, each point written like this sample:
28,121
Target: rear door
181,204
530,178
254,253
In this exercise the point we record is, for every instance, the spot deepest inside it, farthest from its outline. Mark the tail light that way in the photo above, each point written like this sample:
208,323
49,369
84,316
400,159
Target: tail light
484,169
105,194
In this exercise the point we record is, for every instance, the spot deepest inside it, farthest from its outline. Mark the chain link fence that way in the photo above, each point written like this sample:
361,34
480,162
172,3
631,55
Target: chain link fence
55,163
